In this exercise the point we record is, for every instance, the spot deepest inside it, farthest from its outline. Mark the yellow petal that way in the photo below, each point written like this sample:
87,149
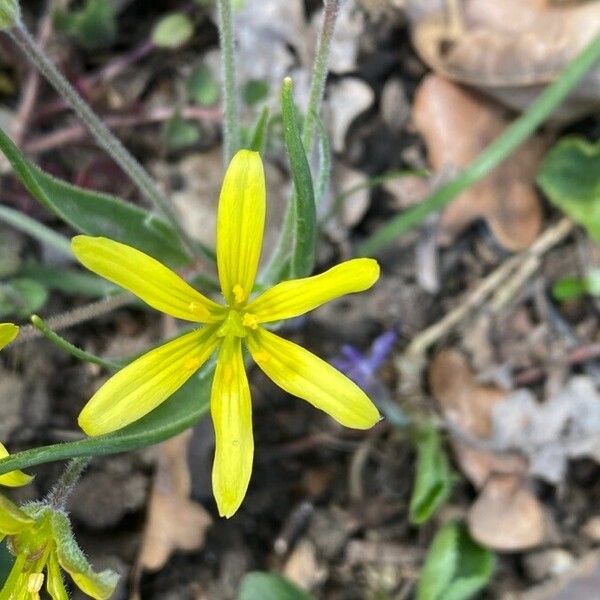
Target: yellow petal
231,412
147,382
14,478
301,373
145,277
8,332
298,296
240,225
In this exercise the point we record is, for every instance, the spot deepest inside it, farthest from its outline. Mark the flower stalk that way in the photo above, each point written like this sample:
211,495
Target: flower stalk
231,130
58,496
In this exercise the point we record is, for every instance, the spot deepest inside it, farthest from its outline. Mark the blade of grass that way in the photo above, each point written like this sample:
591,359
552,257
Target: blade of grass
492,156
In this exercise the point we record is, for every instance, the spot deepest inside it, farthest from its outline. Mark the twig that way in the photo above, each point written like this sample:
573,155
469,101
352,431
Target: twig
77,132
31,87
502,283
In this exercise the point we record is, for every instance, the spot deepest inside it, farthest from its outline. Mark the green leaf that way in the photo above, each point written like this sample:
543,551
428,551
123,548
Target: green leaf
183,410
68,281
10,13
21,297
202,86
434,479
180,133
269,586
94,213
254,91
456,567
305,238
570,177
93,26
173,30
259,135
569,288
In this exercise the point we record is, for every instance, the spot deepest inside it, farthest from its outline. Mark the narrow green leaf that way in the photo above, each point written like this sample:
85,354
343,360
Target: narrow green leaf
570,177
434,479
183,410
305,238
259,135
95,213
269,586
456,567
324,174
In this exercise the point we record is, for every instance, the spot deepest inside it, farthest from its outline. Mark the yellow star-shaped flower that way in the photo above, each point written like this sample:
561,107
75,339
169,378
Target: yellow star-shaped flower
148,381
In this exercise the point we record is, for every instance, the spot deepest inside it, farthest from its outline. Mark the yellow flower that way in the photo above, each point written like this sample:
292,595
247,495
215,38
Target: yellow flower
144,384
42,542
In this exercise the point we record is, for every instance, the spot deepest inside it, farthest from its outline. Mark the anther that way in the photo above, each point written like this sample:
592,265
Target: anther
34,583
250,320
238,293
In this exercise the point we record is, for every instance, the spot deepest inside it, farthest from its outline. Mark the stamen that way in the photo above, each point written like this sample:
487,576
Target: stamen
34,583
250,320
238,293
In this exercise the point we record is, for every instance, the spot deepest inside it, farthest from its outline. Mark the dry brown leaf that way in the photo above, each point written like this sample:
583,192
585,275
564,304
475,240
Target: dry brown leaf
457,125
507,516
508,49
469,405
174,521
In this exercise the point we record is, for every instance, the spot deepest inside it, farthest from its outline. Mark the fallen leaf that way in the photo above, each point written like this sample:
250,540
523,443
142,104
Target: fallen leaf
346,100
174,521
507,516
302,567
549,433
508,49
457,125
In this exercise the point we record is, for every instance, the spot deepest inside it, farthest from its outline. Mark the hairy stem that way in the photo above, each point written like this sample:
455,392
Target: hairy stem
59,494
101,133
231,130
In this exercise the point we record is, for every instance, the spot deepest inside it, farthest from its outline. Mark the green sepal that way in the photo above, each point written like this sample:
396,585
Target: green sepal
70,557
10,14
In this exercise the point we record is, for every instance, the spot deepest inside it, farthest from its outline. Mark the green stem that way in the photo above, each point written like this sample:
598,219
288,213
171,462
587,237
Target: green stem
492,156
319,72
36,230
231,130
78,353
21,36
59,494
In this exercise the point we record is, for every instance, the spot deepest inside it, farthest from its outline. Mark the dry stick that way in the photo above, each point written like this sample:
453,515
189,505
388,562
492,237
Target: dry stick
77,132
31,87
76,316
512,274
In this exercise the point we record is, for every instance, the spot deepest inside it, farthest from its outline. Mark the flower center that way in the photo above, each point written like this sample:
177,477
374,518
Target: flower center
237,323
